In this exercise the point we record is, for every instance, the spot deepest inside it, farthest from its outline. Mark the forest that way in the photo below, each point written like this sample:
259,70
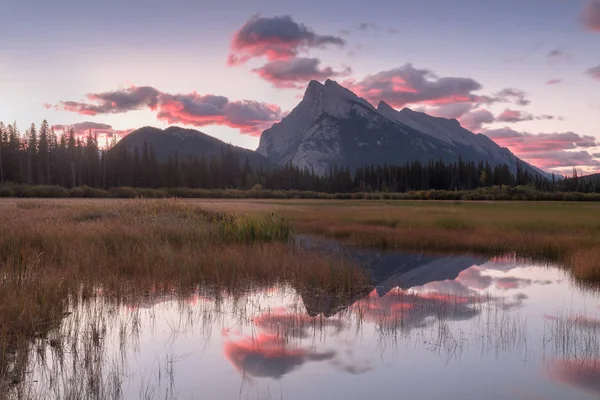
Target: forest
40,156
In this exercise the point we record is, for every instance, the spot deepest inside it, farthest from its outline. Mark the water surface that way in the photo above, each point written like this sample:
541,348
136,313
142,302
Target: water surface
454,327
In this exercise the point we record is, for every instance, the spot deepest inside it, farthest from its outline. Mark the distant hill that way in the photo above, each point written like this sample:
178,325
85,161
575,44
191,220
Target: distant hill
591,178
186,143
332,125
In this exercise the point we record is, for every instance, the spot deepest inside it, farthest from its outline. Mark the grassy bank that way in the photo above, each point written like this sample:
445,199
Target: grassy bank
53,255
499,193
563,232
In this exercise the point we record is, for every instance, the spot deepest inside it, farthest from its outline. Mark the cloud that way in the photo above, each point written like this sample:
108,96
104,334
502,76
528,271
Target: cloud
474,120
250,117
594,72
511,282
104,132
366,26
118,101
509,115
276,38
450,111
407,310
85,127
548,150
293,324
409,85
553,81
580,320
591,15
509,95
267,355
363,27
579,373
446,97
296,72
555,53
514,116
472,277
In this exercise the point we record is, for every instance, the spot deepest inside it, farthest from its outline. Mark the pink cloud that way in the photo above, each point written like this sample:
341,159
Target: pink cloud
591,15
553,81
511,282
83,128
514,116
409,85
594,72
276,38
266,355
104,132
250,117
474,120
296,72
548,150
114,102
579,373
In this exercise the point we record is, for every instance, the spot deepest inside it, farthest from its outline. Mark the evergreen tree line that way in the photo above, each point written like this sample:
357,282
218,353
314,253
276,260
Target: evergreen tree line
41,157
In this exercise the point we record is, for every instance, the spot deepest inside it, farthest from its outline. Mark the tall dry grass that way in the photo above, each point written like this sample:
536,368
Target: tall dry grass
55,255
567,233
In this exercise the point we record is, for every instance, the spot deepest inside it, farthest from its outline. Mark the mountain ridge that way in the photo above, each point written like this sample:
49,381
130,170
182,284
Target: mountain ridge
186,143
333,126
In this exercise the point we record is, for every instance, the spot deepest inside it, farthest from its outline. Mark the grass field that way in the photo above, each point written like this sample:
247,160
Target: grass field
57,253
564,232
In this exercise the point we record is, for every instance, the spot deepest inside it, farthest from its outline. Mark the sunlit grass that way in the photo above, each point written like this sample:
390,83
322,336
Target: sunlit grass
568,233
54,255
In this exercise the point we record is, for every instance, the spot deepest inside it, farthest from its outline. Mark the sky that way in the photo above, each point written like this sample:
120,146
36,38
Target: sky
525,73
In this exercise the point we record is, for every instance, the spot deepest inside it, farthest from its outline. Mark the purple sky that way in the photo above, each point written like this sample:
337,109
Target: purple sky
527,73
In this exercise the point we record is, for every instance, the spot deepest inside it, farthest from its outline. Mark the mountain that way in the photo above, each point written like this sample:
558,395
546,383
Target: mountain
388,270
332,125
590,178
186,143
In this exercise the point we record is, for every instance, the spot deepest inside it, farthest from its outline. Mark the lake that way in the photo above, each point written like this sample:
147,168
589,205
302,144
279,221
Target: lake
452,327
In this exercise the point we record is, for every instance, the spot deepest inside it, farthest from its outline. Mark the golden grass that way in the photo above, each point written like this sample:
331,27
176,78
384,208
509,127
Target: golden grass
54,255
568,233
57,253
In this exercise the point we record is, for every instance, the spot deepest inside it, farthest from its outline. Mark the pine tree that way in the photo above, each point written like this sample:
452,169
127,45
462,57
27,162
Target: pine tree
43,156
31,154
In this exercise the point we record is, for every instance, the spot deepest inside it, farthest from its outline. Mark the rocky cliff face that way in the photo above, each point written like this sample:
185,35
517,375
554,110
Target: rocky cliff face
333,126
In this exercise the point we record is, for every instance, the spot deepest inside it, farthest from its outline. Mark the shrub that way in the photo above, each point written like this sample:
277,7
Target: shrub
44,191
88,192
6,191
123,192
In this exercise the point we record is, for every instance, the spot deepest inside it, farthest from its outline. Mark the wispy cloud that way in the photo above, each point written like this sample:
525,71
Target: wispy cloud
591,15
409,85
594,72
250,117
549,150
297,72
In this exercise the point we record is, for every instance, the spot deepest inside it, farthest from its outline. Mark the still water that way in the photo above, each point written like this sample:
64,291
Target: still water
431,327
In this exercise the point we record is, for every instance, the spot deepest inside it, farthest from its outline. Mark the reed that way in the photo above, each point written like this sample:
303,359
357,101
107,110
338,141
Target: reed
568,233
55,255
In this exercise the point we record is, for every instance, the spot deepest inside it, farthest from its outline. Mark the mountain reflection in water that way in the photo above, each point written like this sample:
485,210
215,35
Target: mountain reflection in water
477,327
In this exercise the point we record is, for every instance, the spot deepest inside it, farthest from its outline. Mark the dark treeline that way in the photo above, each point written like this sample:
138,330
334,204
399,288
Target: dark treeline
41,157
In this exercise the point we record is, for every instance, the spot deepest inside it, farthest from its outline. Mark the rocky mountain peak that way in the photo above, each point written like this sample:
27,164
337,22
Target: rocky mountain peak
334,126
331,98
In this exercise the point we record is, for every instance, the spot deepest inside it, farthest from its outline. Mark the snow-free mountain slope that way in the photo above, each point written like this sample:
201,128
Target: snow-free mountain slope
332,126
185,143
